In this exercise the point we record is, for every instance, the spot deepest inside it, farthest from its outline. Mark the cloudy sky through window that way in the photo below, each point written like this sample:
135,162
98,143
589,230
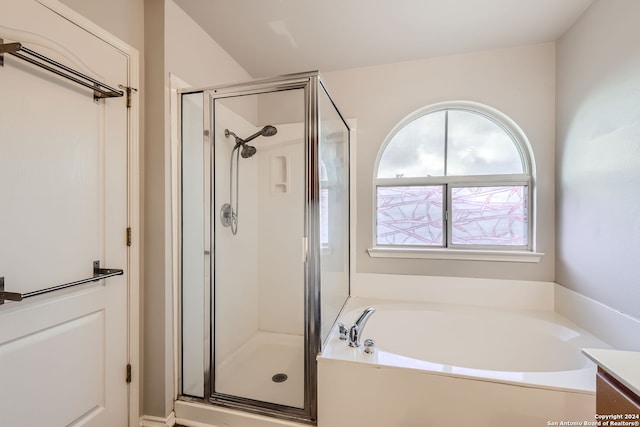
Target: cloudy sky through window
475,146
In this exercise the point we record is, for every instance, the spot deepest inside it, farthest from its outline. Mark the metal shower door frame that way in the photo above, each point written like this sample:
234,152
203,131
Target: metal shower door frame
310,83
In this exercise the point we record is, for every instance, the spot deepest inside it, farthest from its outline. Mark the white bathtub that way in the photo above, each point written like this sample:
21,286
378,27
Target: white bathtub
442,365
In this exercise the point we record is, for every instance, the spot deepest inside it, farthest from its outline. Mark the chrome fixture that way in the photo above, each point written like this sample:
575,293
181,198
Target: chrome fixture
229,213
344,331
369,346
356,330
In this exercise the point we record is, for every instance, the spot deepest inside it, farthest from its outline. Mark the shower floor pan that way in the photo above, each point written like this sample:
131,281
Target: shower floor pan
269,367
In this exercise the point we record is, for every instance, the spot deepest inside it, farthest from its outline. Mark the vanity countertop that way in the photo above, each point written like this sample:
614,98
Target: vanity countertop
622,365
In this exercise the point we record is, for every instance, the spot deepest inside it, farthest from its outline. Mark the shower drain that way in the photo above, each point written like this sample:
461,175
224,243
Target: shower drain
279,378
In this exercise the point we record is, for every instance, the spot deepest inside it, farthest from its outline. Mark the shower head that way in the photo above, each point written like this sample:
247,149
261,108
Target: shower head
268,130
247,151
265,131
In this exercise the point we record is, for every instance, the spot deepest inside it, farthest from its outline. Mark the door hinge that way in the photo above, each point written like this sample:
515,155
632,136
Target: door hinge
128,236
128,90
128,373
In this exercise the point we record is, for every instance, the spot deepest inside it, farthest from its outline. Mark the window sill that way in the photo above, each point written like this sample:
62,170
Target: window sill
455,254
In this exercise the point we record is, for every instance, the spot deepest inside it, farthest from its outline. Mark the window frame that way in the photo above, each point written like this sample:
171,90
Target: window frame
520,253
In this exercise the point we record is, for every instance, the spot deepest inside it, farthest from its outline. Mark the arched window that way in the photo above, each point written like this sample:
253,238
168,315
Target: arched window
456,175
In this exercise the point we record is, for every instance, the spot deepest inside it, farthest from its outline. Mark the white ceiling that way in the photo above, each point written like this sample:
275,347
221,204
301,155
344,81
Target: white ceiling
275,37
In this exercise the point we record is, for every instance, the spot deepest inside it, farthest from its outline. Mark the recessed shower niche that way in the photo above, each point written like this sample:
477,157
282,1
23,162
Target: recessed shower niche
264,241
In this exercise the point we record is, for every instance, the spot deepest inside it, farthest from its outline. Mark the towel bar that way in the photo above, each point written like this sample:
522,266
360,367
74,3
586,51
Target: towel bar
100,90
98,274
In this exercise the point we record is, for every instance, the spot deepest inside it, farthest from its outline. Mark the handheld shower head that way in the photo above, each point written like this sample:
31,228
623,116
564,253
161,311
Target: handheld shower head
268,130
265,131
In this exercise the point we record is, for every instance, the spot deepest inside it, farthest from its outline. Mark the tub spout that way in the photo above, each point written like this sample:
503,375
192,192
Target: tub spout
356,330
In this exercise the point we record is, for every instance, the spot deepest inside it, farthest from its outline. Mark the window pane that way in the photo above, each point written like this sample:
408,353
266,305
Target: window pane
478,146
417,150
409,215
489,215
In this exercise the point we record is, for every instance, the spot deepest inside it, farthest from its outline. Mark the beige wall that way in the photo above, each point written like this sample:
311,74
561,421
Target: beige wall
598,152
123,18
520,82
157,358
193,56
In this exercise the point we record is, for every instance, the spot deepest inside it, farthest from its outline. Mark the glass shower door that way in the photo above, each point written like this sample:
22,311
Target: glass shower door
258,216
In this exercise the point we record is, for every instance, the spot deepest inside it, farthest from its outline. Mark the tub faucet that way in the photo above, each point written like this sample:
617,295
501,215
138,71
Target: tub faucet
356,330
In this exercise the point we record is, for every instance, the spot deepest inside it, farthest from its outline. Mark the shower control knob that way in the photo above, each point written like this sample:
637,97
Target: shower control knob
344,331
369,346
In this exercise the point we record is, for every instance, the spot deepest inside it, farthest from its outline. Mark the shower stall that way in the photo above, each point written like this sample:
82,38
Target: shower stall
264,241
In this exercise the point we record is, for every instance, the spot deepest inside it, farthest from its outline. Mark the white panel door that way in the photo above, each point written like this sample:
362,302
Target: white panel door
63,205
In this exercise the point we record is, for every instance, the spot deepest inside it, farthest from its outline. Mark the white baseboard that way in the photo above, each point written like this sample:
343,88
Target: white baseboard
617,329
190,423
149,421
196,414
